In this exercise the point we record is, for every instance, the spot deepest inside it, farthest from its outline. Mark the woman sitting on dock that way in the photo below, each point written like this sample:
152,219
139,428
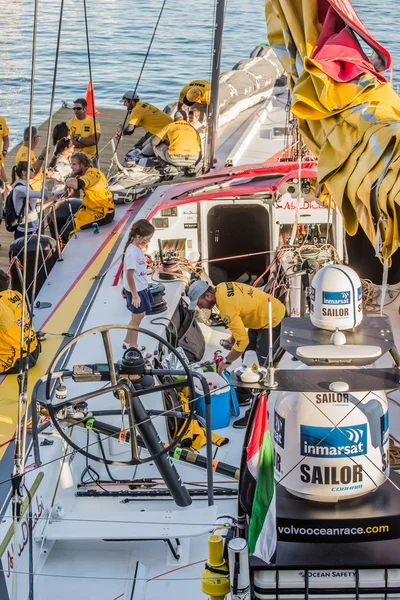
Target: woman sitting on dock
60,165
97,206
60,131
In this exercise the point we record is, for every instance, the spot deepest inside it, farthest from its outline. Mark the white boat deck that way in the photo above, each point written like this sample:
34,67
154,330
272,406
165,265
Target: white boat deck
105,548
257,136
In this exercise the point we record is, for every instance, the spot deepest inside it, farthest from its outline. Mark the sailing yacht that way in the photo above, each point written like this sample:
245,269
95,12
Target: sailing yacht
134,478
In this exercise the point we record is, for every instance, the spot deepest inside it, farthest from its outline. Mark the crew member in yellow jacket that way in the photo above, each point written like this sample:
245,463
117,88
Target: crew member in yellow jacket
4,145
244,309
143,114
10,330
195,92
178,143
97,205
36,179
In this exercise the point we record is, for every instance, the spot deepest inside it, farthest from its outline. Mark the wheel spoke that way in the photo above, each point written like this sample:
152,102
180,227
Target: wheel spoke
139,418
109,354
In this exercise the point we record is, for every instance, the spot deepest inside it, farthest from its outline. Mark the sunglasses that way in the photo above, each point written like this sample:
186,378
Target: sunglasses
77,108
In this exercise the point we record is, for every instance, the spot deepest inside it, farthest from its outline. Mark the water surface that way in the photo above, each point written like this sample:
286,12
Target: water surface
120,31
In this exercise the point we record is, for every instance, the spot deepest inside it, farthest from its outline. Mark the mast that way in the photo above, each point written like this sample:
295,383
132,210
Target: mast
216,67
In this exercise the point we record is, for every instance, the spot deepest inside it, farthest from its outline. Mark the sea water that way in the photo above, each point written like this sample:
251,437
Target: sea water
119,33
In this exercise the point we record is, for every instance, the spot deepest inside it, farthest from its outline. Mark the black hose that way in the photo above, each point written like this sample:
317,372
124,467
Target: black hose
157,321
104,458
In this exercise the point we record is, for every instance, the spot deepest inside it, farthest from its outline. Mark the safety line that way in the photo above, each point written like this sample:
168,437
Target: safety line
138,79
91,80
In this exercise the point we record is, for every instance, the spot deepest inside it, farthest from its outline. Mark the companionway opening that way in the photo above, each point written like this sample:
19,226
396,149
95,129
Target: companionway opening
237,229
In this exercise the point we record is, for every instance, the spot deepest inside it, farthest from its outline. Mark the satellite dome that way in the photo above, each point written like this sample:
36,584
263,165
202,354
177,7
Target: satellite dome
336,298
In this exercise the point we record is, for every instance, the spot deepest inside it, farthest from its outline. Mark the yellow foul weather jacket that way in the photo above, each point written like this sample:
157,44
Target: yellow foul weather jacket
10,329
242,306
97,200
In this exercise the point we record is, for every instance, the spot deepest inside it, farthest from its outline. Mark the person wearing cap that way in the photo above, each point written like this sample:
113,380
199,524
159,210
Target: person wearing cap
244,310
178,143
195,92
84,135
36,180
145,115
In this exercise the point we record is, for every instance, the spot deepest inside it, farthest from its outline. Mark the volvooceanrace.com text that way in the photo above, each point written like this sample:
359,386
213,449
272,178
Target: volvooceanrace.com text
292,530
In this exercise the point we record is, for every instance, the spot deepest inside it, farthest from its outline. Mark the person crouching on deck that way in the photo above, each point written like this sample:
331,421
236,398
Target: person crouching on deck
143,114
135,287
178,144
97,206
10,330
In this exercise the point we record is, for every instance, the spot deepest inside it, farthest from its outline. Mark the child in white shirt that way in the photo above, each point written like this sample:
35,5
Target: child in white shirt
135,287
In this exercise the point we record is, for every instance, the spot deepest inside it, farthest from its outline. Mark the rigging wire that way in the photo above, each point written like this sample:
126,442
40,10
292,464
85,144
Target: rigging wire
41,213
91,80
210,73
21,382
23,376
19,450
137,82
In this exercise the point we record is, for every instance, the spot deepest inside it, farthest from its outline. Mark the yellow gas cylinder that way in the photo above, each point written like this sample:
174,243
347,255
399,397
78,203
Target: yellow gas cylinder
215,577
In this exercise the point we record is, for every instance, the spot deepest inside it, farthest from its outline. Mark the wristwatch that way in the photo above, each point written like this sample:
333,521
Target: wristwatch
227,362
5,152
78,139
40,157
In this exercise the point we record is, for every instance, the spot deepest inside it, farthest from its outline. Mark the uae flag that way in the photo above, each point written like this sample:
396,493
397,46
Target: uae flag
258,488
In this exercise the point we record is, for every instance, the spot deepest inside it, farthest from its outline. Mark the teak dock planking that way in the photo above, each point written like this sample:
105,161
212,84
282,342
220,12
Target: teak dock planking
109,118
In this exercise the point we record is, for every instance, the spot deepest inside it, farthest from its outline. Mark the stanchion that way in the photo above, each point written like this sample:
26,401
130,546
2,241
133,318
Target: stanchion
56,234
207,402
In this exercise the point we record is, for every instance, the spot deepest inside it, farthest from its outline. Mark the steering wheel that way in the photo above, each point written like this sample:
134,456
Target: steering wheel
138,415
